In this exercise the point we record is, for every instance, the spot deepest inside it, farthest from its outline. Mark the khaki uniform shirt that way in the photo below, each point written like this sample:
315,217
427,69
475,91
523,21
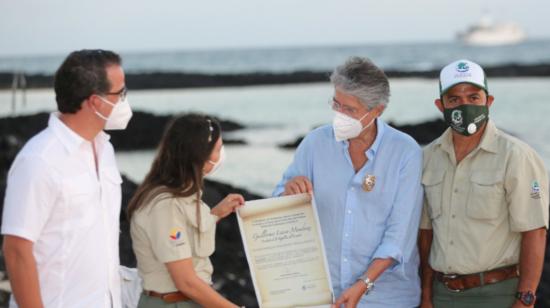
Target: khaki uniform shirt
166,230
479,208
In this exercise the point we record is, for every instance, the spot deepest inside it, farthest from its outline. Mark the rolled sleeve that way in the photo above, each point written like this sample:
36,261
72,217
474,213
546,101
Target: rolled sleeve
527,190
389,250
399,240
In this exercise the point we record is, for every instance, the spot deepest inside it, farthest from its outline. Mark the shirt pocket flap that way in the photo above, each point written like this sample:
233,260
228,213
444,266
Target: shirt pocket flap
486,178
433,177
486,198
433,189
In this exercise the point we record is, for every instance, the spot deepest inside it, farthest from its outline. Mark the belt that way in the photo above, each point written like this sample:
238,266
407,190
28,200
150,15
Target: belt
172,297
459,283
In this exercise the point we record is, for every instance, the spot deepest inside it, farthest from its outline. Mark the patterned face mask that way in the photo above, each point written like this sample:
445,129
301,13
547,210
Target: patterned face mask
466,119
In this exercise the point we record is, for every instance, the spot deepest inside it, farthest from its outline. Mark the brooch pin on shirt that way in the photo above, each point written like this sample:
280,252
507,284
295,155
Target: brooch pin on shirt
368,182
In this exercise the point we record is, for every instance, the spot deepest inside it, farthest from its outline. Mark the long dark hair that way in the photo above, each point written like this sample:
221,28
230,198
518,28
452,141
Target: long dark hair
177,169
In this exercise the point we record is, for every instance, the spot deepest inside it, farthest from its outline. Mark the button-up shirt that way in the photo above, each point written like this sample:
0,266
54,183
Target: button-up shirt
359,226
479,207
57,200
166,230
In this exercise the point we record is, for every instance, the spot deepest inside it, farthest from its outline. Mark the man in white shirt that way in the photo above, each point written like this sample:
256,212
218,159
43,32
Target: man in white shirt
62,204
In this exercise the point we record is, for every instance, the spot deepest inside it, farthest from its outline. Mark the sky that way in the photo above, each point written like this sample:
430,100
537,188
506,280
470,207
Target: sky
44,27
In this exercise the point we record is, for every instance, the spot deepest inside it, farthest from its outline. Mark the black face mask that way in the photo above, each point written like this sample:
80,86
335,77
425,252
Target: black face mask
466,119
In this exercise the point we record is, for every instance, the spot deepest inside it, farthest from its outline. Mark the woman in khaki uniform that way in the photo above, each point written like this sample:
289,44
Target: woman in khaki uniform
173,231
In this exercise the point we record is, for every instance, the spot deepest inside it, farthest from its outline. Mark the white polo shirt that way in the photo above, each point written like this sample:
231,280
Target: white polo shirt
56,199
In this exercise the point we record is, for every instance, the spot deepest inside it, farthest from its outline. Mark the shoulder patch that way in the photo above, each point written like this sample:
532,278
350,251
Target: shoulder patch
535,190
175,234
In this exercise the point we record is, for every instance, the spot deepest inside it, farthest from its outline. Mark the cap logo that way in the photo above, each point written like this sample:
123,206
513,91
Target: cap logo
456,117
462,67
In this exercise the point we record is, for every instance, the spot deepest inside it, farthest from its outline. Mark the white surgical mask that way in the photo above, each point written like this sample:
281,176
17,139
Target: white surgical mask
120,115
346,127
216,164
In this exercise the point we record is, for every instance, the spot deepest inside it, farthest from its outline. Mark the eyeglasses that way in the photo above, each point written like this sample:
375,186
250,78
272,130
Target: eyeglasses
122,93
336,106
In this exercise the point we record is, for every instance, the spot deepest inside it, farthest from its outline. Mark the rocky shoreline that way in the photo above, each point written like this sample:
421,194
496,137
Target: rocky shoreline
176,80
231,276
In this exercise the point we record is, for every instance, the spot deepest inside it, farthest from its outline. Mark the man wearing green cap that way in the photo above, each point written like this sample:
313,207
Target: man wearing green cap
485,215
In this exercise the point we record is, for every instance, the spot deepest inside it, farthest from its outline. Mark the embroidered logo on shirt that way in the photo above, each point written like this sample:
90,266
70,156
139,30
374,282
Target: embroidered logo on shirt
175,234
535,190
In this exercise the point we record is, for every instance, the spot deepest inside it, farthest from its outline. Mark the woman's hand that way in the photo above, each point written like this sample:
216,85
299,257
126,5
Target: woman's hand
228,205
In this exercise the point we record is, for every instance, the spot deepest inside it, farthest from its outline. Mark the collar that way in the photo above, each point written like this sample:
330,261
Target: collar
487,143
380,129
70,140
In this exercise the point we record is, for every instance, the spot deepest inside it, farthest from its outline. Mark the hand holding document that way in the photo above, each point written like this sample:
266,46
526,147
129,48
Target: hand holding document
285,252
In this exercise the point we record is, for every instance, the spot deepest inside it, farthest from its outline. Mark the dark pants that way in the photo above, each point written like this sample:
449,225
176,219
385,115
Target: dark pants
500,294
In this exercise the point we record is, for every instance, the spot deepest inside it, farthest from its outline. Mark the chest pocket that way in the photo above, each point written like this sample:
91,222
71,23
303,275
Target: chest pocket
432,181
81,194
486,198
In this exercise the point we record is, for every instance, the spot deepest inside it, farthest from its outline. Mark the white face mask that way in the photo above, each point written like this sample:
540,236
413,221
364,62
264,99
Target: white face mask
120,115
216,164
346,127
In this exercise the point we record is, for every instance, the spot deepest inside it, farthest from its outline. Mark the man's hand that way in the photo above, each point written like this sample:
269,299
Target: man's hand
298,185
228,205
351,296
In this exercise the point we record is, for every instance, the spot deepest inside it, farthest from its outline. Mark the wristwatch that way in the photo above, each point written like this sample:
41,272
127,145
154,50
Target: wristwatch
527,298
370,284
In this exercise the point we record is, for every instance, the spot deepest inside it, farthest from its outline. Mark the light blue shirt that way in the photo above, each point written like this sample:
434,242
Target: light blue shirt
359,226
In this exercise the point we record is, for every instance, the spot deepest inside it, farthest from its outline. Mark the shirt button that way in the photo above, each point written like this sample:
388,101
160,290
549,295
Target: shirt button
352,189
349,211
346,235
452,242
456,190
453,216
345,260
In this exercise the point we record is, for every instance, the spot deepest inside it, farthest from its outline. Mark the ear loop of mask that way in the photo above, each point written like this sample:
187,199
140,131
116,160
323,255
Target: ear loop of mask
106,102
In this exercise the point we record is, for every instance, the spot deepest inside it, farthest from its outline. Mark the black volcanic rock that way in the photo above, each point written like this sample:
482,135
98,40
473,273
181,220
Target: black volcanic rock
176,80
423,133
143,131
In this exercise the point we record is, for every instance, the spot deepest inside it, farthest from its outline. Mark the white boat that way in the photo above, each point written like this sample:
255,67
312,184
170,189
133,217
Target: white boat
488,33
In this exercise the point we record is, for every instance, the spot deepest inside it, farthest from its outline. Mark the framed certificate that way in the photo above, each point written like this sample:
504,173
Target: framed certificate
285,252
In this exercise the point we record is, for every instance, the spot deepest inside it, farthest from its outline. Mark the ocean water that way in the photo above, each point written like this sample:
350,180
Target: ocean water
411,56
281,113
